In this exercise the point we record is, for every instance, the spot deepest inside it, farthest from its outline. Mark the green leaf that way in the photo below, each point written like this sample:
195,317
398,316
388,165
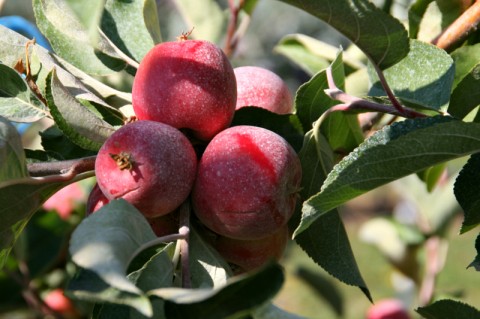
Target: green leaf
326,241
285,125
432,175
379,35
270,311
154,272
424,78
71,40
89,14
17,102
132,25
313,55
450,309
103,245
20,196
239,296
310,56
59,147
317,160
206,18
89,286
465,96
396,151
311,101
80,85
476,262
78,123
19,200
208,269
12,157
467,192
415,15
342,131
46,236
249,6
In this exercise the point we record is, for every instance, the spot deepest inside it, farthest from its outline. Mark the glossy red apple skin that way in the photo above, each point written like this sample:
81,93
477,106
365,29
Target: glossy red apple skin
263,88
188,84
162,172
247,183
387,309
246,255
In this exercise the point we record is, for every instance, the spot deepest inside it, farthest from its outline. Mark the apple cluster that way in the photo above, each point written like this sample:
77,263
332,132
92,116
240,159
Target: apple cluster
242,181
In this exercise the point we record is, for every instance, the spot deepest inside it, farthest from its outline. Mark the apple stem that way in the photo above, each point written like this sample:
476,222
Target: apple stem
183,243
353,103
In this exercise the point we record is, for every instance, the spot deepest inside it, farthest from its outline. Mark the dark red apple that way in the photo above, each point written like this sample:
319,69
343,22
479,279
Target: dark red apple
96,200
248,255
149,164
247,183
165,225
188,84
260,87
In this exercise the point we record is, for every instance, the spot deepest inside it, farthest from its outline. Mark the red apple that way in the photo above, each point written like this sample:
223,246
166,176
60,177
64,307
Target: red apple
247,183
65,200
149,164
58,302
251,254
96,200
188,84
262,88
387,309
165,225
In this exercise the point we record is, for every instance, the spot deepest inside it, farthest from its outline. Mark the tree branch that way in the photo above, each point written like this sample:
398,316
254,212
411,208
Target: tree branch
80,165
459,29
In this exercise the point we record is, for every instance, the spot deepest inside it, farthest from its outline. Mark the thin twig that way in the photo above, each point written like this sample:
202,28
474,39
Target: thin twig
232,40
433,265
353,103
459,29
